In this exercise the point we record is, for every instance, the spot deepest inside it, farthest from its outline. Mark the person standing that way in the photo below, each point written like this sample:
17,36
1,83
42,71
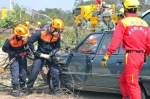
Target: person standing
16,47
135,34
106,24
48,43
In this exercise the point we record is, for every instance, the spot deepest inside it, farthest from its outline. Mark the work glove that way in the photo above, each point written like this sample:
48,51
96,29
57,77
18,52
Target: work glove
51,54
145,58
37,54
104,61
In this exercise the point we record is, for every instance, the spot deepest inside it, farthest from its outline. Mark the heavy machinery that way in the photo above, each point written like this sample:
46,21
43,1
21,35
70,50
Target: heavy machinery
91,12
86,11
4,12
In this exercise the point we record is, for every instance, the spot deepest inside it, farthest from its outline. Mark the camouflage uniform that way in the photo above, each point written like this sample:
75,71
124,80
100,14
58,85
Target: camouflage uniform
88,26
84,23
102,25
79,24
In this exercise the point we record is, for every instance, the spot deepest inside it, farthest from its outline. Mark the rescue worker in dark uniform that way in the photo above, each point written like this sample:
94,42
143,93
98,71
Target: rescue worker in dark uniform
135,34
48,43
16,46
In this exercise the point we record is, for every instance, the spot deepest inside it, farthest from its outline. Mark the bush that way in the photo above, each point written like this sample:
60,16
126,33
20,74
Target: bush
2,40
8,21
69,36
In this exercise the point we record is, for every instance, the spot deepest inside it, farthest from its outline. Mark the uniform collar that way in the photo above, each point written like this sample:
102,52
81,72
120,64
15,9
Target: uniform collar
131,15
17,38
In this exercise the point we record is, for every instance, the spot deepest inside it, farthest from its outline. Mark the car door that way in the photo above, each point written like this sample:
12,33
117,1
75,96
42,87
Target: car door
146,68
79,63
107,77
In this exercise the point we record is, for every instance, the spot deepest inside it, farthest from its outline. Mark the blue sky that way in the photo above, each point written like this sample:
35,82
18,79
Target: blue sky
41,4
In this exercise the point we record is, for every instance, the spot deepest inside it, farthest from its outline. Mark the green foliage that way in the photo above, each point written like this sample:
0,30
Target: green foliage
66,16
52,15
18,13
69,36
2,40
9,20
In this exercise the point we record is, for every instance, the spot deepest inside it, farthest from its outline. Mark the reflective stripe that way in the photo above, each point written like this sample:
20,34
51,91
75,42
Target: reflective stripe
132,78
49,37
126,58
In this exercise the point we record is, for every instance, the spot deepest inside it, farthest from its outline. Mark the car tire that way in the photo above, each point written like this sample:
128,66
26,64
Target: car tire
49,81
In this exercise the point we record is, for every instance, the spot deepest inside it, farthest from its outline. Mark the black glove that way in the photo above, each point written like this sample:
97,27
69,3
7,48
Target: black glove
17,55
51,54
37,54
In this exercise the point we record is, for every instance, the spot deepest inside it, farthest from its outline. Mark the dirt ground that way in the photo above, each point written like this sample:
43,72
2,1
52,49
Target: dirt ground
40,93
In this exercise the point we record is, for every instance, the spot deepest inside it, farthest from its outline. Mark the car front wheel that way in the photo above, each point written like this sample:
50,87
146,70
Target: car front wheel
49,81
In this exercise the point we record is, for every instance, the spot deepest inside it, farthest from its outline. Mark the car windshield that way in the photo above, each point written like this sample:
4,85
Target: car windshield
77,11
90,44
147,18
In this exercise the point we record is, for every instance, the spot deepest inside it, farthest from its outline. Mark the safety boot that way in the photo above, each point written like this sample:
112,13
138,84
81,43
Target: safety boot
56,90
16,91
27,91
22,87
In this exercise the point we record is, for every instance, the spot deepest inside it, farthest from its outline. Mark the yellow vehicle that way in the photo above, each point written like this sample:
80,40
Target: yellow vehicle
4,12
88,11
85,11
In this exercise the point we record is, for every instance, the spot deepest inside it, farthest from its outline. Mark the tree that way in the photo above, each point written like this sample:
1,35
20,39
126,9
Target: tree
53,15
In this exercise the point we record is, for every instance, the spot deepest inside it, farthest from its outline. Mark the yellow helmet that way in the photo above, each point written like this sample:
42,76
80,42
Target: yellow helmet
38,23
21,30
122,10
131,3
58,24
27,23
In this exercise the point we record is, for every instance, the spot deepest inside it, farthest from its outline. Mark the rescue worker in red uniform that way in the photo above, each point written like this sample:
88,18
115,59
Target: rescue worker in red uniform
134,33
16,46
48,43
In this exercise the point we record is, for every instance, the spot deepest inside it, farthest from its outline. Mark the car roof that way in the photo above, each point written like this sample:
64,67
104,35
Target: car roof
145,13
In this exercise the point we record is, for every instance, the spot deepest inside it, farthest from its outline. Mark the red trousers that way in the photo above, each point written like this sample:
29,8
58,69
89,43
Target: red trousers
129,79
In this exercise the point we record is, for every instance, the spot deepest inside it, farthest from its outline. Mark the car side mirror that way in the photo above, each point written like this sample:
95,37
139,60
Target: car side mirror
72,52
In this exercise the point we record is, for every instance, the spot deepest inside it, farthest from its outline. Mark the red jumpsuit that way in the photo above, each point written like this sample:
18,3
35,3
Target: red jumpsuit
135,35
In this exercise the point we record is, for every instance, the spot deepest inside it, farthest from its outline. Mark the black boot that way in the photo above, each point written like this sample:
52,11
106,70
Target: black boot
56,90
22,87
16,91
27,91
